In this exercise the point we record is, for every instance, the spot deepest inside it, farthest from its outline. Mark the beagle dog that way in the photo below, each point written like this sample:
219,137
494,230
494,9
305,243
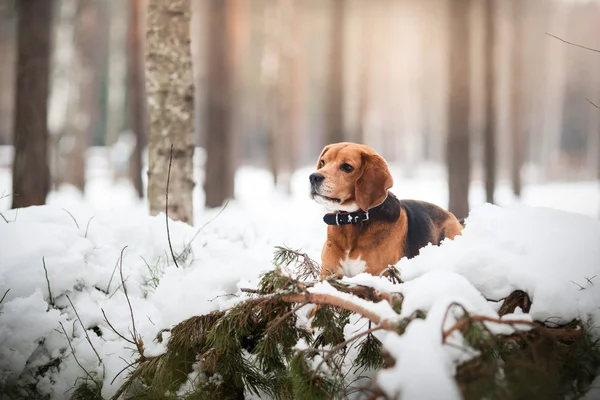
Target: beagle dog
369,228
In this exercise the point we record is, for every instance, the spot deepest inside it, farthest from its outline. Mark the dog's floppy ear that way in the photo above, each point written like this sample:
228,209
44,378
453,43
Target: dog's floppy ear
371,188
321,156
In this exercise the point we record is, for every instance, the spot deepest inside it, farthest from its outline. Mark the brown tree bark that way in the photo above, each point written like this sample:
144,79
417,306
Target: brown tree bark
367,44
31,174
170,91
518,138
8,46
84,100
137,99
335,94
458,141
283,83
220,102
489,137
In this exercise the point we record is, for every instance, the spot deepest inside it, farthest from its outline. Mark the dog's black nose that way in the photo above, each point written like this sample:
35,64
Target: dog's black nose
316,178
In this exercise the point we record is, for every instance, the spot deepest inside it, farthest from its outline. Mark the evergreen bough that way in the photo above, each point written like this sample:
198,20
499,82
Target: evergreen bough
257,347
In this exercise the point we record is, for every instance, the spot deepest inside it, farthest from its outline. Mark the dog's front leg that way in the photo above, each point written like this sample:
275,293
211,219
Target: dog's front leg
330,260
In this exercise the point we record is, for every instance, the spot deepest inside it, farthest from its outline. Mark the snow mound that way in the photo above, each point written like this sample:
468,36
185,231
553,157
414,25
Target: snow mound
554,256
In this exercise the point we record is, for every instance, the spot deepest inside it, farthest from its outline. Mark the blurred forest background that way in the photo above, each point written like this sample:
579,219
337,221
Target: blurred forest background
477,89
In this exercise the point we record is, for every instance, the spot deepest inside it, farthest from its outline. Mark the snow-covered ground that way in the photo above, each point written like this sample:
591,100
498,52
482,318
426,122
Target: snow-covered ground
70,249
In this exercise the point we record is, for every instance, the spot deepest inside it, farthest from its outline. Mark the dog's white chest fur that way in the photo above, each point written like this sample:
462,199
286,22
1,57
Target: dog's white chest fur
352,266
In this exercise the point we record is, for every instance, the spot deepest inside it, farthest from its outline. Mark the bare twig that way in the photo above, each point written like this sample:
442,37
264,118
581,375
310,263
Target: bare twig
592,103
50,299
112,328
84,330
87,226
284,317
72,217
75,357
129,365
136,337
573,44
343,344
207,223
167,207
4,295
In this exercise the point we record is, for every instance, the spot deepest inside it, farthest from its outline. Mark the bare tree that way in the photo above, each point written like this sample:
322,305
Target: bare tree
83,104
335,99
489,137
518,141
135,85
169,87
7,69
458,141
281,73
31,175
220,101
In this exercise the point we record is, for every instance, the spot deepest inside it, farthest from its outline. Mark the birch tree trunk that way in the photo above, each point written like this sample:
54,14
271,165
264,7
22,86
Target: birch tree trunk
458,145
169,87
31,174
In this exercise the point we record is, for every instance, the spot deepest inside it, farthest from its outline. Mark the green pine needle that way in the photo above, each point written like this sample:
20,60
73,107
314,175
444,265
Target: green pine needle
307,385
369,354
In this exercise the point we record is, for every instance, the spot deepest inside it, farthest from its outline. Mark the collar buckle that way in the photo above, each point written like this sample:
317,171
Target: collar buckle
337,221
366,216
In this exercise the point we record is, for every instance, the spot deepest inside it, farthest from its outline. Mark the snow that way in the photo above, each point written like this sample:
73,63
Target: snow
553,255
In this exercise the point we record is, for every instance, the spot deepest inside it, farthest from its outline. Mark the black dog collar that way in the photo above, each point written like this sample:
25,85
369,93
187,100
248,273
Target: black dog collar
349,218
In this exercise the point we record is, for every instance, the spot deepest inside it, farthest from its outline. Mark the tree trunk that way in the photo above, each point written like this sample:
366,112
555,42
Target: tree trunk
220,114
283,89
335,100
518,141
137,101
83,100
7,70
457,148
489,141
117,70
367,44
31,175
169,87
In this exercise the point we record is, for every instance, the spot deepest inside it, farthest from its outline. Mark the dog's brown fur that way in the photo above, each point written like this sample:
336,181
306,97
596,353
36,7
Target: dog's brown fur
397,229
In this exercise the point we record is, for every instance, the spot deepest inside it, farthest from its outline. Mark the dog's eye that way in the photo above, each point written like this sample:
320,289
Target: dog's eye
322,163
346,167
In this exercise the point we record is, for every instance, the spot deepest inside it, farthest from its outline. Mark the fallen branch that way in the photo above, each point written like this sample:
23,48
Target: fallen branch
560,333
332,300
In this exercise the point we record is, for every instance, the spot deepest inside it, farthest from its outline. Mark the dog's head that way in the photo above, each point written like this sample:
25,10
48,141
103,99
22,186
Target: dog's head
349,177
